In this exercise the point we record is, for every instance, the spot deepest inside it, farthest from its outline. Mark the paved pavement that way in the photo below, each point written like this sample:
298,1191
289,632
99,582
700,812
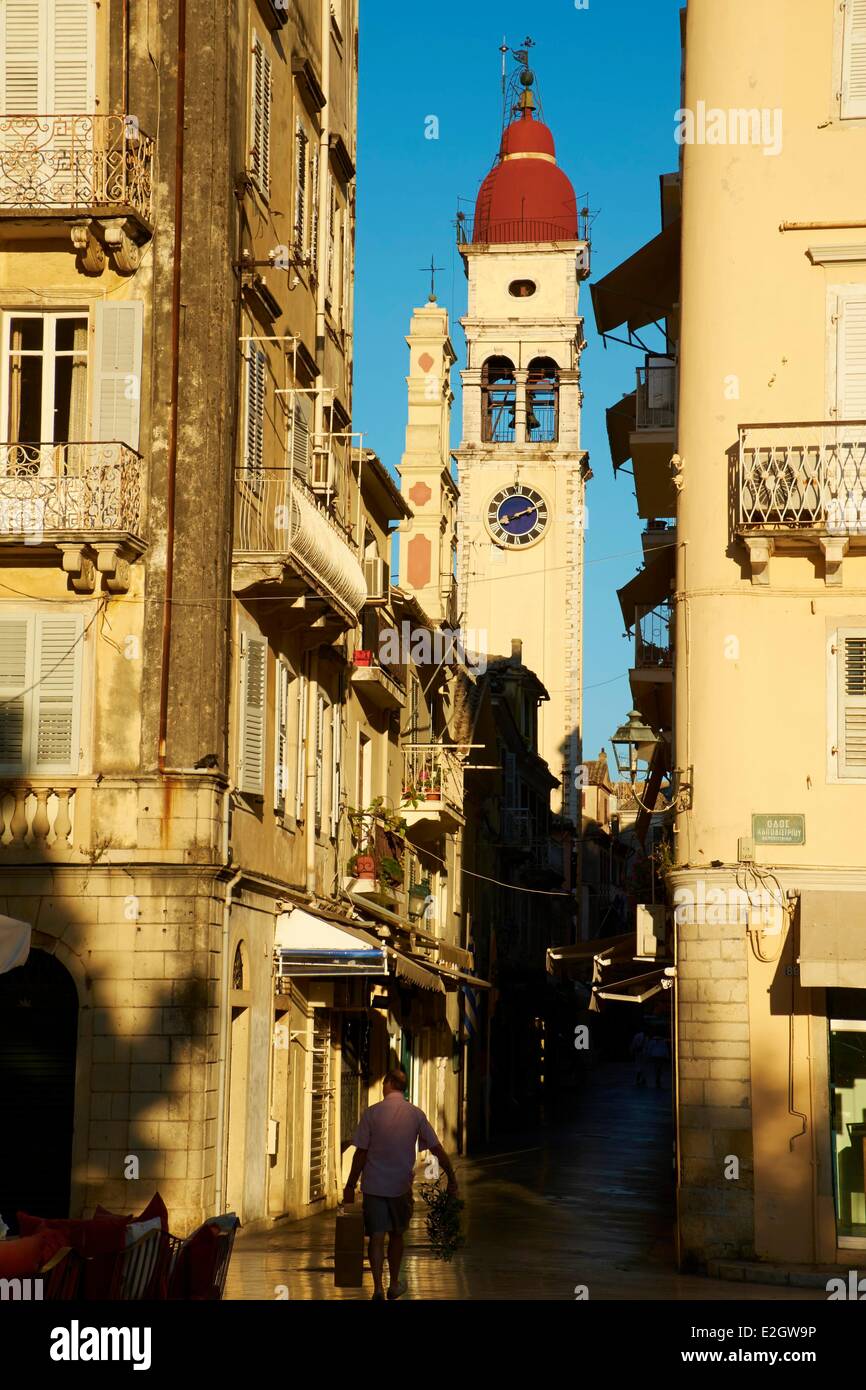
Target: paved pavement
584,1202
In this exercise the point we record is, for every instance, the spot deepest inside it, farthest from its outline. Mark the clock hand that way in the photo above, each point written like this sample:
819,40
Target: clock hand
516,515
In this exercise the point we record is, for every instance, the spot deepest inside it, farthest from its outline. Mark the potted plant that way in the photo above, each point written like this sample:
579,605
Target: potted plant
362,866
433,790
390,872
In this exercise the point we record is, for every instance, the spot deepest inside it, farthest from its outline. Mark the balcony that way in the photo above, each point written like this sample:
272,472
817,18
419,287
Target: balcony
653,650
94,170
655,399
81,499
651,678
482,231
375,683
35,820
516,828
284,540
432,800
801,485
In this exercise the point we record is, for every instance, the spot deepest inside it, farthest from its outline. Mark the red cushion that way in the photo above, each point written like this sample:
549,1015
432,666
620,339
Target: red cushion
99,1236
193,1276
20,1258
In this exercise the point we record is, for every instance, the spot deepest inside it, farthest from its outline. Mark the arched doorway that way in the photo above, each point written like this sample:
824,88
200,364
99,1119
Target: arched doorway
38,1038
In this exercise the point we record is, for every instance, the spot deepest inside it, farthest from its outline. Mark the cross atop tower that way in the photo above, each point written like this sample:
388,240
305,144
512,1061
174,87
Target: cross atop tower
432,267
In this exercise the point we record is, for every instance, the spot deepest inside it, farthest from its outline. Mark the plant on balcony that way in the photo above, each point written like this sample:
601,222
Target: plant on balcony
361,866
390,872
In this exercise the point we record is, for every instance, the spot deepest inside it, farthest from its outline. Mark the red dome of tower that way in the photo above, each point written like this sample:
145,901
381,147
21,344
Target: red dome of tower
525,197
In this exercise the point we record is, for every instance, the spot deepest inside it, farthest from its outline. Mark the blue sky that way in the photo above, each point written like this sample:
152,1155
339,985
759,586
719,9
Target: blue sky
608,76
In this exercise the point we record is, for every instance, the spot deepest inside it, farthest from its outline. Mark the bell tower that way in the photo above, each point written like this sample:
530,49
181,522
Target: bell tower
522,472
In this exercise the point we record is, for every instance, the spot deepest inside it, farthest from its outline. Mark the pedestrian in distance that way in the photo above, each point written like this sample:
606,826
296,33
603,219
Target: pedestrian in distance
659,1054
638,1053
385,1147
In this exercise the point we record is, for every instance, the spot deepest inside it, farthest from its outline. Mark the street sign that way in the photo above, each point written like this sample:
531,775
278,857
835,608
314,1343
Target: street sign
779,830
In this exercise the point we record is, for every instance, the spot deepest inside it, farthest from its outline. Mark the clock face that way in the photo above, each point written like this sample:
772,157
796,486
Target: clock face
517,516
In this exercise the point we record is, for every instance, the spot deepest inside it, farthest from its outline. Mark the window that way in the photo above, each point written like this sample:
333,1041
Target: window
522,289
851,688
45,383
253,714
302,141
300,441
255,375
314,211
281,735
498,409
542,401
321,708
301,707
333,215
47,57
851,355
260,118
336,766
854,59
40,692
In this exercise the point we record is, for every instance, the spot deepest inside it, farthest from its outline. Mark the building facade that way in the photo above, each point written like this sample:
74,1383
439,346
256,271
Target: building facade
764,468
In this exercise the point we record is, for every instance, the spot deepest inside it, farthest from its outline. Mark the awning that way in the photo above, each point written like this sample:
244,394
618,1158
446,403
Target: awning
621,424
614,947
14,943
308,945
463,977
642,289
650,585
636,990
407,969
832,939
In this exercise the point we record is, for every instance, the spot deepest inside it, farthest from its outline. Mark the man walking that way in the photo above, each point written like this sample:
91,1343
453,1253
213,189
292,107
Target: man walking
385,1143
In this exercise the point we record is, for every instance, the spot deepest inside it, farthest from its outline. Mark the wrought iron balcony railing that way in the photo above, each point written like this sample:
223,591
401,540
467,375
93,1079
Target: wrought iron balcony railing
432,773
656,399
80,490
653,638
76,163
517,827
484,230
803,477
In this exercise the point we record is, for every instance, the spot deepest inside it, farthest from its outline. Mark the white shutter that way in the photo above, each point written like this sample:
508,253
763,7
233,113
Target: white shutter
314,211
301,769
57,693
851,362
854,59
301,142
251,776
23,89
281,736
301,440
336,765
332,234
320,759
117,391
70,57
13,683
260,118
851,739
254,411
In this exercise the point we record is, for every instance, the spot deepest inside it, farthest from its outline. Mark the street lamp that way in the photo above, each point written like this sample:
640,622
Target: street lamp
633,742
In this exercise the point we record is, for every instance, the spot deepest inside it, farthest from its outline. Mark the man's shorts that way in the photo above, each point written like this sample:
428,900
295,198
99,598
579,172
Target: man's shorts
383,1214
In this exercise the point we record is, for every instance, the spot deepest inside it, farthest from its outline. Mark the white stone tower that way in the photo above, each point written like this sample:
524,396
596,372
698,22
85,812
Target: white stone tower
522,472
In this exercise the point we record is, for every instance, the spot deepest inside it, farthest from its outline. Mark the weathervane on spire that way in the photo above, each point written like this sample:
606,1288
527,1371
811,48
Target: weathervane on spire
518,98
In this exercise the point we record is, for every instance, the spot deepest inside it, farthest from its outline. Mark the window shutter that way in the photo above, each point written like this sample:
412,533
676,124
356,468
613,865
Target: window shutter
13,683
253,711
301,142
851,367
281,741
314,211
260,119
332,235
854,60
70,58
336,766
118,371
254,411
320,750
301,440
301,770
20,53
851,739
56,697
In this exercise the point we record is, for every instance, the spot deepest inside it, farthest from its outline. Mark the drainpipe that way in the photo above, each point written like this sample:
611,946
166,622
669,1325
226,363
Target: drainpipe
124,90
312,768
171,461
323,209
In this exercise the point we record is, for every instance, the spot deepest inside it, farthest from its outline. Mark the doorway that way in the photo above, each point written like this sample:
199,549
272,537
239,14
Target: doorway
38,1042
847,1029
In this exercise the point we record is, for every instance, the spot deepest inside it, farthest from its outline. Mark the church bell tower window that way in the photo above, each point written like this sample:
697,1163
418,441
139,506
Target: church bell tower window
542,401
498,401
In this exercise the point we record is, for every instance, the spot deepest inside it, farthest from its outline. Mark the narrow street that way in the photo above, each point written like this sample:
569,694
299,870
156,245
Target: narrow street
584,1202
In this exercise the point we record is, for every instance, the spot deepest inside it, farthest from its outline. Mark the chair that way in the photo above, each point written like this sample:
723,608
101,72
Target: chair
136,1271
198,1266
61,1276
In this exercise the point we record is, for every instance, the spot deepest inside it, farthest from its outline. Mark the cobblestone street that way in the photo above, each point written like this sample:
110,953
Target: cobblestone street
586,1202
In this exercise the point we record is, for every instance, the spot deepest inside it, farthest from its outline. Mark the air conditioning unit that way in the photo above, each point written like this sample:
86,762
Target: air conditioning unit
378,579
651,931
323,475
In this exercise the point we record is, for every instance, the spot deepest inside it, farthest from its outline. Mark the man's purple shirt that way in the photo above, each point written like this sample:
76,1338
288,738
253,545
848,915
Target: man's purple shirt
390,1131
